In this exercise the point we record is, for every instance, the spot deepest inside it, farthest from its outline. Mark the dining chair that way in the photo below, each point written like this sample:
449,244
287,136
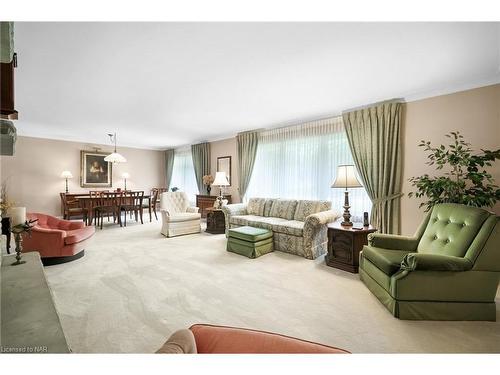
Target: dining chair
71,208
106,204
132,202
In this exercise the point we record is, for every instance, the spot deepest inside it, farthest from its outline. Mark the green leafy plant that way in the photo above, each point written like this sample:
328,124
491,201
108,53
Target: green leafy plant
465,181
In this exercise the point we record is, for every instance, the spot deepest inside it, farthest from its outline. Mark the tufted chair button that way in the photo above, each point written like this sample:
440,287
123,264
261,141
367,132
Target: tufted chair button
448,222
434,237
463,224
447,240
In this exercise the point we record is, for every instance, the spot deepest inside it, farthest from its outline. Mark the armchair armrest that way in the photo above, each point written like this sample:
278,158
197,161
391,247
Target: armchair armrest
393,242
193,210
44,237
435,262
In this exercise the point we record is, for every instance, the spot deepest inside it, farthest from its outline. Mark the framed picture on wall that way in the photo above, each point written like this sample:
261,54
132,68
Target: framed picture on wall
224,165
95,171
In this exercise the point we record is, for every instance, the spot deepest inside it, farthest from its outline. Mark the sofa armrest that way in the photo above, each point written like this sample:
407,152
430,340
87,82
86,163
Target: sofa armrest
315,233
393,242
321,218
235,209
435,262
193,210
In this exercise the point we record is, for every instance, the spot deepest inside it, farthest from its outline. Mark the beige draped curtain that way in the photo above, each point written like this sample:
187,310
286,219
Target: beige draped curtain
374,135
201,163
6,42
247,149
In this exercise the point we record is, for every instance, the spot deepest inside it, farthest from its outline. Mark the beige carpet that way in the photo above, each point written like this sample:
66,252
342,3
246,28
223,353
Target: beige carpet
134,287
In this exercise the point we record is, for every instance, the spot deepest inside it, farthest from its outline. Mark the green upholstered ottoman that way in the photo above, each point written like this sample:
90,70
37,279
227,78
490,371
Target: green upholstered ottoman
250,242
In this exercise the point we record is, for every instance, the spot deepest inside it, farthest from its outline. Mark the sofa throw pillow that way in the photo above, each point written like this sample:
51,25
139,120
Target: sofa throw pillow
306,208
256,206
268,206
283,208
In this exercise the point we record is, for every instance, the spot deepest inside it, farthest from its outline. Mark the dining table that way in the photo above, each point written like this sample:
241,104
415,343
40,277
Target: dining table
89,202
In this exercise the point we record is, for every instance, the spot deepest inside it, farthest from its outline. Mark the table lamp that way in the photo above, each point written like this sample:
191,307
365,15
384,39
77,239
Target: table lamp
66,175
346,178
125,175
220,181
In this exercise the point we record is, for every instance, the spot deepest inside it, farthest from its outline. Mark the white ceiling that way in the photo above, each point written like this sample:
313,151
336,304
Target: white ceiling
167,84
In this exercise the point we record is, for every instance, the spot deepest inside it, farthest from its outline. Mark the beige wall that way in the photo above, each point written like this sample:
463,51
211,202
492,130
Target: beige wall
226,147
33,173
475,113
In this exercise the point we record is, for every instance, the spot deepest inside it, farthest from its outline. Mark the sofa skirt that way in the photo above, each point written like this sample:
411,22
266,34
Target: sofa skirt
429,310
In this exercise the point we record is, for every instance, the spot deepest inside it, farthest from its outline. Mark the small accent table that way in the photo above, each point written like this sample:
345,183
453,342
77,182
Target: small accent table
216,223
207,201
345,244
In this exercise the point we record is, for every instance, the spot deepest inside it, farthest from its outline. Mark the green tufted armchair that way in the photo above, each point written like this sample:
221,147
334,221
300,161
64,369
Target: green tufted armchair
449,270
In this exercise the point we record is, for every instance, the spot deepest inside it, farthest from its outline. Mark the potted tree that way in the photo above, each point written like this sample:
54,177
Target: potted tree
465,179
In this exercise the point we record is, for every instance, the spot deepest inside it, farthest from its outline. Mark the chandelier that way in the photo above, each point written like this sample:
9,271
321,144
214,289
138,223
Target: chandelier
114,157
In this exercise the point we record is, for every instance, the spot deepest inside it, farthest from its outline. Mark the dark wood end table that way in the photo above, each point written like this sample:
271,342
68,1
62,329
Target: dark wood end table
216,222
345,244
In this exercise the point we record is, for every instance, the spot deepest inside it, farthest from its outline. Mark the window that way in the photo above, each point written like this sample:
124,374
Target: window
300,162
183,176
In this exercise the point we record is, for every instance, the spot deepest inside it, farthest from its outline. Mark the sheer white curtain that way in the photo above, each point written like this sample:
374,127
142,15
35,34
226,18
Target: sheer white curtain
300,162
183,176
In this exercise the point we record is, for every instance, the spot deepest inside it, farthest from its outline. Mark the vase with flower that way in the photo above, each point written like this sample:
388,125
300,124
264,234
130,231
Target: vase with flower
207,181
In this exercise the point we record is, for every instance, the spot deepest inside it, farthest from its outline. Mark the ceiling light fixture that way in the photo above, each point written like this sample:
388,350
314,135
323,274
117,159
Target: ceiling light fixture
114,157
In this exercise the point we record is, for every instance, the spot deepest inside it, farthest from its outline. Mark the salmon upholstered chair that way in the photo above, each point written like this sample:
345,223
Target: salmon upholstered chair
57,240
210,339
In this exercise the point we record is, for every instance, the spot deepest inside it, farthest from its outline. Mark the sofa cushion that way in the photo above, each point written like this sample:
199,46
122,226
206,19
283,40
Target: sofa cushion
242,219
306,208
292,227
283,208
78,235
265,222
250,234
256,206
451,229
183,216
388,261
267,206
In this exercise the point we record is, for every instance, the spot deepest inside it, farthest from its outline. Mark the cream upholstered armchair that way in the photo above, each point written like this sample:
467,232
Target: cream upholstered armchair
177,217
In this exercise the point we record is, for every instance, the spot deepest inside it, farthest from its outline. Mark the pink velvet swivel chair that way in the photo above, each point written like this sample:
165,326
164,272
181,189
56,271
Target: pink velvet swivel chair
57,240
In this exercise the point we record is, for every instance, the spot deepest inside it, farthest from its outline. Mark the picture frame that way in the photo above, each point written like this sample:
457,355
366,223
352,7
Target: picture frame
94,170
224,165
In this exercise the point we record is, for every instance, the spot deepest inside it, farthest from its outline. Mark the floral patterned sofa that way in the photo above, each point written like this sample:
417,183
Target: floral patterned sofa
299,226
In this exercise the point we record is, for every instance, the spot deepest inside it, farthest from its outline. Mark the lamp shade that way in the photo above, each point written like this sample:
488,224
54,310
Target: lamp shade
125,175
66,174
346,177
115,157
220,179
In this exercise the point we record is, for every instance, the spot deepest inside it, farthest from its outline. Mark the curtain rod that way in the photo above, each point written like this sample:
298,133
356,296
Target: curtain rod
395,100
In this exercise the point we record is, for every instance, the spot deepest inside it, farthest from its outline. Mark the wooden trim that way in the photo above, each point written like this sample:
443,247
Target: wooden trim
230,167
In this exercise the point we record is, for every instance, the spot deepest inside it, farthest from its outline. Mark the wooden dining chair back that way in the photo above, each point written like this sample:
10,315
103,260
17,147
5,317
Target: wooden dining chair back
106,204
71,208
132,203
